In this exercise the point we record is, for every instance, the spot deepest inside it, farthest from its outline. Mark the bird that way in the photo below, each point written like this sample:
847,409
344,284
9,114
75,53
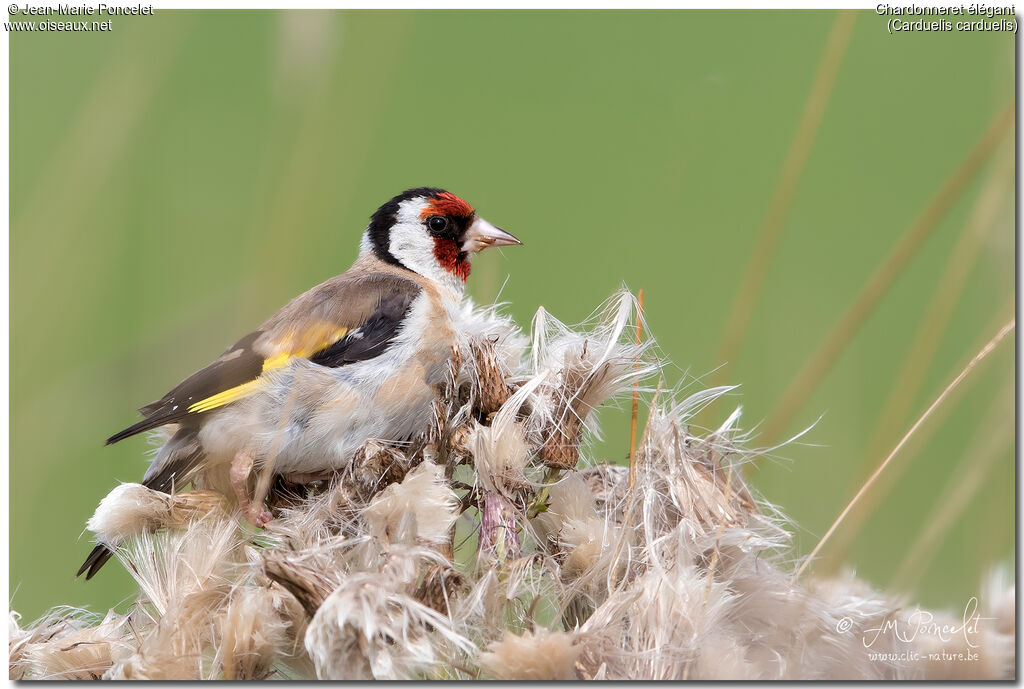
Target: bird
355,358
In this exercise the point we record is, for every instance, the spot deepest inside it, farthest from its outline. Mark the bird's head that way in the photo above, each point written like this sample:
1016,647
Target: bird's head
431,232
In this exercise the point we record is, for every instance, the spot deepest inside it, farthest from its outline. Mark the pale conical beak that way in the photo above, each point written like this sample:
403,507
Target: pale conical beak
482,234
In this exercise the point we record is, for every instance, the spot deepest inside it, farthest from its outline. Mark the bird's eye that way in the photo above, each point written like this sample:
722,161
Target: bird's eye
437,223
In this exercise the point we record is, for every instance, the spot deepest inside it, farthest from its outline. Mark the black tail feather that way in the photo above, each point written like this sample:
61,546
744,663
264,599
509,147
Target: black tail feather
173,468
97,558
146,424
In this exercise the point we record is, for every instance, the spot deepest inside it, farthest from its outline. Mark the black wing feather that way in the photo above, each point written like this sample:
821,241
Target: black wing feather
370,339
371,306
221,375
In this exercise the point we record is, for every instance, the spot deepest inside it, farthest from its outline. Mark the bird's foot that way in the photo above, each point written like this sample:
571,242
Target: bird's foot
256,513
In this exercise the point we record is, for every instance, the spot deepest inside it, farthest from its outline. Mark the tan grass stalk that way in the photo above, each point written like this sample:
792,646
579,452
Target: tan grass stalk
636,391
983,452
789,178
985,351
821,361
832,557
911,372
948,289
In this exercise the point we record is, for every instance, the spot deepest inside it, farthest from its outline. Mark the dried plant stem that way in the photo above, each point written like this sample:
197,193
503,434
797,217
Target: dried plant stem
636,392
718,535
985,351
651,407
964,482
631,480
540,503
714,556
920,354
819,363
785,190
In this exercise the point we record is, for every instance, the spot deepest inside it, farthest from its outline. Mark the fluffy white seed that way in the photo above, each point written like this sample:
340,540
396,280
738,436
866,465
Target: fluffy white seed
675,570
421,508
539,655
129,510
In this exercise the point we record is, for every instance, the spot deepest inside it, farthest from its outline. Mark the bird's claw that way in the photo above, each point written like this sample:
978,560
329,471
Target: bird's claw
257,514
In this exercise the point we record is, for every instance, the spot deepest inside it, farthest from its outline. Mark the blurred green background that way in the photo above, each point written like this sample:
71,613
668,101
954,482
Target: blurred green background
176,180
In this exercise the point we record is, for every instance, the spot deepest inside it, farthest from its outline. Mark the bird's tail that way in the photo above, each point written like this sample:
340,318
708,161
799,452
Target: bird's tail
97,558
173,468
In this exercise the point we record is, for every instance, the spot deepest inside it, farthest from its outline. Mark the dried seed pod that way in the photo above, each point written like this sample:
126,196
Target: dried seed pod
376,466
438,586
308,584
561,448
490,387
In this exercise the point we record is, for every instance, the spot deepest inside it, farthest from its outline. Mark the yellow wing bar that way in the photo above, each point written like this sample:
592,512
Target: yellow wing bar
225,397
314,340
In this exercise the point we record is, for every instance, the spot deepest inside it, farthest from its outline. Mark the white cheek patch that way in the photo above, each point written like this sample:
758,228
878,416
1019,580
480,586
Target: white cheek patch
413,247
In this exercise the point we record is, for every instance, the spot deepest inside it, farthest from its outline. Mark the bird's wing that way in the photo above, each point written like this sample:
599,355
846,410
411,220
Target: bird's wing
346,319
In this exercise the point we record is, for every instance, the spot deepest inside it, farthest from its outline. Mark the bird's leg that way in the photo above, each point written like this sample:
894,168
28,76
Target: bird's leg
257,514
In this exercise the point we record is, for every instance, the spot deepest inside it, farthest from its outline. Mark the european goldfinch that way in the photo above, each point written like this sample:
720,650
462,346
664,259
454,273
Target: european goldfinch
356,357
